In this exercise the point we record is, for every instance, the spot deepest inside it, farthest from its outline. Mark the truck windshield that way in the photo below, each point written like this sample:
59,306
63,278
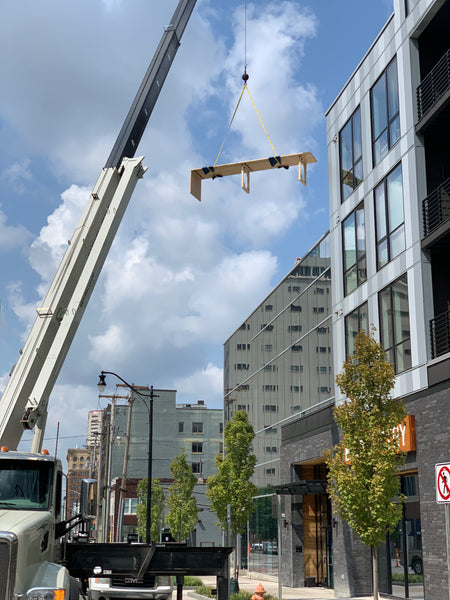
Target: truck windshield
25,484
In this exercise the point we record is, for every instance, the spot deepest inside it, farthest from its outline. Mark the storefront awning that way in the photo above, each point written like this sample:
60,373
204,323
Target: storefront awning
303,488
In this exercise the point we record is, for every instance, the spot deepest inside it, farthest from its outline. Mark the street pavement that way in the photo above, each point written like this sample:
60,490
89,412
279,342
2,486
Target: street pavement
304,593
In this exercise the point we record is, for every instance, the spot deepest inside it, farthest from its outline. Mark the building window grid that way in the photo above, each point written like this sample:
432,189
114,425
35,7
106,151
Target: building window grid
354,250
354,322
389,217
350,155
394,324
384,105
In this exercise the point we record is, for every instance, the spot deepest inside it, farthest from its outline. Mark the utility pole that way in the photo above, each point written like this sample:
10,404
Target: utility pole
123,485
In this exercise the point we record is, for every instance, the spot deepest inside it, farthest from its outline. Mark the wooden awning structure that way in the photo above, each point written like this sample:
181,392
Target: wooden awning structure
250,166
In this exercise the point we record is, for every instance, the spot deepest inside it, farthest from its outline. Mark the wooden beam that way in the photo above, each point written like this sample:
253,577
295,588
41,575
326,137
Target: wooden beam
244,168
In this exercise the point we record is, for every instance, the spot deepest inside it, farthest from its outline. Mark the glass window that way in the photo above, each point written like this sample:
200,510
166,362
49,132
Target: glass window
350,148
197,427
354,241
180,427
385,113
197,447
354,322
130,506
394,324
389,217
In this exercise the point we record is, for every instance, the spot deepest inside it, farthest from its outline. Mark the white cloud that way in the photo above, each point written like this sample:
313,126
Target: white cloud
202,384
181,275
17,174
25,312
48,249
12,236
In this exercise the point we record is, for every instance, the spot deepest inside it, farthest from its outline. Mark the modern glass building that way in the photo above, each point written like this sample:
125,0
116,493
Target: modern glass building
389,166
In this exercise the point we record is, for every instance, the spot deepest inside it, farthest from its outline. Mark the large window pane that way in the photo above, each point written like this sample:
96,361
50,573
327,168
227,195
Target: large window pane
354,322
354,249
350,149
385,113
394,324
397,242
395,198
379,108
349,242
389,217
380,211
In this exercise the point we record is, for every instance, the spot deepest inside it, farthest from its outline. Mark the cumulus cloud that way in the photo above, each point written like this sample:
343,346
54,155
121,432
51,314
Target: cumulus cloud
25,311
11,236
17,174
202,384
181,275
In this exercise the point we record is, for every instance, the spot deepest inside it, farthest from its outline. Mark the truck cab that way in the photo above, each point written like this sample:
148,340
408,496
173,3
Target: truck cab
30,510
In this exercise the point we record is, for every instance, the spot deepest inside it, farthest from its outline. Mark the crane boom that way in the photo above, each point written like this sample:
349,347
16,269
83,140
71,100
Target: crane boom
23,404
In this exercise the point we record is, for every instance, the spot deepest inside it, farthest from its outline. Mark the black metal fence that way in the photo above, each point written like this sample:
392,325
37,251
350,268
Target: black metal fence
440,334
434,85
436,207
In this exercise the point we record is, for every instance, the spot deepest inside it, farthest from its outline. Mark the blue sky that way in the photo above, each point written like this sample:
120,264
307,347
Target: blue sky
181,275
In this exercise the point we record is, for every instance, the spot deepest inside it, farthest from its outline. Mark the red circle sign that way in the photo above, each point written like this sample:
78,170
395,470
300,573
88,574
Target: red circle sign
443,483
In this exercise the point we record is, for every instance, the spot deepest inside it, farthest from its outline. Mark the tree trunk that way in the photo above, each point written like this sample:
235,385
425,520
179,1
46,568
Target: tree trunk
375,573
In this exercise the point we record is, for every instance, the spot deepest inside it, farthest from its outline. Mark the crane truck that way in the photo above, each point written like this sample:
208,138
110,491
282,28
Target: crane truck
31,523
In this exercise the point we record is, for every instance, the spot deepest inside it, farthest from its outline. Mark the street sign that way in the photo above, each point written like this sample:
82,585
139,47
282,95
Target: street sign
442,483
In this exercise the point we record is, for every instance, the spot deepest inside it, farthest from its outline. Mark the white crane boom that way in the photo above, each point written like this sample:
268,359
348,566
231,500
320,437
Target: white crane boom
23,404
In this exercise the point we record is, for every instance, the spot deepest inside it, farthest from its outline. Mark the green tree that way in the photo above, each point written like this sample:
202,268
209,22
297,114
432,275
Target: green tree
182,516
231,487
363,480
158,501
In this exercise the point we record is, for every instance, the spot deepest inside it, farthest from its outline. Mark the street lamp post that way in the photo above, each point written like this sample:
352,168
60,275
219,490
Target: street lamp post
101,386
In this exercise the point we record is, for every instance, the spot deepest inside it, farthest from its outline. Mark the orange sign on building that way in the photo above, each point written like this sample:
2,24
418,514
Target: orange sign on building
406,436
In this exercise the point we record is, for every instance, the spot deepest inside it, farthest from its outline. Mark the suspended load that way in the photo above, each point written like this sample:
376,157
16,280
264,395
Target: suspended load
249,166
246,167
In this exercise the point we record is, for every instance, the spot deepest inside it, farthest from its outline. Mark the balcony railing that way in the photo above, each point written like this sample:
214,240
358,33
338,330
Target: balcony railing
434,85
436,208
440,334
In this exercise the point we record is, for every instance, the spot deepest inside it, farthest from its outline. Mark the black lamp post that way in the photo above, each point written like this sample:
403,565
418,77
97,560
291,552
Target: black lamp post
101,386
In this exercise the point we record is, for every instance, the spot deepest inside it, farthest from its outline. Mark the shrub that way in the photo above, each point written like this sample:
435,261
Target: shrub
192,581
400,578
204,590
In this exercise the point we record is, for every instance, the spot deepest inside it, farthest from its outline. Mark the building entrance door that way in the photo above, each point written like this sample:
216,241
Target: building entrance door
317,534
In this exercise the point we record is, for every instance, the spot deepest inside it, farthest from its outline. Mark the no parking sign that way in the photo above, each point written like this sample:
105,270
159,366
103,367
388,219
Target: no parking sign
442,483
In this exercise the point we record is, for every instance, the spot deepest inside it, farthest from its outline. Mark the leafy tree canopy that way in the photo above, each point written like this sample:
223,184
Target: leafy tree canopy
363,484
231,485
157,508
182,516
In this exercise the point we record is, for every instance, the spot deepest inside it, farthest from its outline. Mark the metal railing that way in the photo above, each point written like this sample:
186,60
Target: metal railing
440,334
434,85
436,207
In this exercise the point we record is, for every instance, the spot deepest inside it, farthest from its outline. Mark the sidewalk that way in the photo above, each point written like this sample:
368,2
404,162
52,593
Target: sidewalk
249,584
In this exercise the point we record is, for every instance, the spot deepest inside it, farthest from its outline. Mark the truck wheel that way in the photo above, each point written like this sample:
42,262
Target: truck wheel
417,566
74,592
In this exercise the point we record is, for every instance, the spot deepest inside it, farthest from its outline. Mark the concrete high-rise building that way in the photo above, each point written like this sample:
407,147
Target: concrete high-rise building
94,428
278,363
78,468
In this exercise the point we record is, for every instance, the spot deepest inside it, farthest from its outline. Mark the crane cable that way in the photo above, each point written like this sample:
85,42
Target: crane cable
245,78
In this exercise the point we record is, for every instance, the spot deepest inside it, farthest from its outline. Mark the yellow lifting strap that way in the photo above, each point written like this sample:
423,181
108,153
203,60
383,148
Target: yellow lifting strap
244,88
